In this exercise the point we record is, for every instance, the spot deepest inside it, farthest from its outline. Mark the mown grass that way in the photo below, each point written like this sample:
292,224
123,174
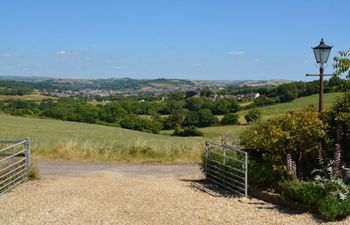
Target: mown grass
54,139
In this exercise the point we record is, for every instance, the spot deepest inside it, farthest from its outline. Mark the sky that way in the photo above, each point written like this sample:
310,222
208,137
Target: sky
199,40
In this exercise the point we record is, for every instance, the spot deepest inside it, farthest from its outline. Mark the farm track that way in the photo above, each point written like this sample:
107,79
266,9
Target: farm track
106,193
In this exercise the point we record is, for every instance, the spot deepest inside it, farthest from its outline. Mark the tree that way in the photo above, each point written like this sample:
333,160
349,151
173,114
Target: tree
221,106
112,112
206,118
253,115
287,92
342,65
177,118
230,119
187,131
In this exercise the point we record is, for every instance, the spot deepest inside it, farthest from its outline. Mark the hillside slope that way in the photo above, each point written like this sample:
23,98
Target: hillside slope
297,104
71,140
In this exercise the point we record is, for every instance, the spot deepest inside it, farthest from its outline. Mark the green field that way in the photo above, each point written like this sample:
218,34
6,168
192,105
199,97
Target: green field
297,104
57,139
78,141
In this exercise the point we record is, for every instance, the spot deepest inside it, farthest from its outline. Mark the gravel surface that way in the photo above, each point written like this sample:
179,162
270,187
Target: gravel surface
111,197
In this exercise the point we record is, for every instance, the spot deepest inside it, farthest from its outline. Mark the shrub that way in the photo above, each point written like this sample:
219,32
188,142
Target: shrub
187,131
338,124
253,115
297,135
302,191
230,119
261,175
327,196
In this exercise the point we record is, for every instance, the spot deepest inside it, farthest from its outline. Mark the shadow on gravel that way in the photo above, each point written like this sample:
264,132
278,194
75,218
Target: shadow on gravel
205,186
208,187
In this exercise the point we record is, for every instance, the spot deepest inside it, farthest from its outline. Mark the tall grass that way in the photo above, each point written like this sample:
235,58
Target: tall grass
53,139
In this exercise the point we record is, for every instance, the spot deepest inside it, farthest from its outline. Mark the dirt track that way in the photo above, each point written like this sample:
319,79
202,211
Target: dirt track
85,193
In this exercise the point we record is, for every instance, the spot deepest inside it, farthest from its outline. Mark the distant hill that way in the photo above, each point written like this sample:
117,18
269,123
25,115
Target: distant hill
121,84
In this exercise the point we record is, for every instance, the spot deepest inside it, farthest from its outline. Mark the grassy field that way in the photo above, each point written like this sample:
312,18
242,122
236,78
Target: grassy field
297,104
78,141
267,111
32,97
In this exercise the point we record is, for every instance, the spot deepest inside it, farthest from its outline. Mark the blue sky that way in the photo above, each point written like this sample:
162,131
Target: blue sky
213,40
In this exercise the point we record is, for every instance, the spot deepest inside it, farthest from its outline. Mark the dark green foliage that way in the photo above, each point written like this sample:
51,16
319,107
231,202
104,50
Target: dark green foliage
187,132
135,122
221,107
230,119
15,88
287,92
112,112
264,101
206,118
201,118
338,121
253,115
297,134
196,103
318,194
261,175
331,208
305,192
68,109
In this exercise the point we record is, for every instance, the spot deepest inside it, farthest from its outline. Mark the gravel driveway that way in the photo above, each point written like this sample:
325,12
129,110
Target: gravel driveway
132,194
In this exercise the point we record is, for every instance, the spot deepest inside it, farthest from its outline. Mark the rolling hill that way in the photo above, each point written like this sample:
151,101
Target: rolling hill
79,141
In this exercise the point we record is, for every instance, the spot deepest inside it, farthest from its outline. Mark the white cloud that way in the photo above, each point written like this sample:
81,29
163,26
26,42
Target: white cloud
237,53
255,61
5,55
71,52
62,52
120,67
22,67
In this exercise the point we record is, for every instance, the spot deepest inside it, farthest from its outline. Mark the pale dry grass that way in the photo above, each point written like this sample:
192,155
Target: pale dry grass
140,151
32,97
79,141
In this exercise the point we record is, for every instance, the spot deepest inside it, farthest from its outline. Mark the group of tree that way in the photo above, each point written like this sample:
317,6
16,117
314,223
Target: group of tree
131,114
15,88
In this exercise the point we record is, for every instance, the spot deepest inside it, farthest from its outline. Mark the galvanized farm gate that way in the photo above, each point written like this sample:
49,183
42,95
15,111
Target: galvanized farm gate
227,165
14,163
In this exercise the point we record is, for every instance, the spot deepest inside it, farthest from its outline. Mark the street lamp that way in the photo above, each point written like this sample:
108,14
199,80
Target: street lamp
321,52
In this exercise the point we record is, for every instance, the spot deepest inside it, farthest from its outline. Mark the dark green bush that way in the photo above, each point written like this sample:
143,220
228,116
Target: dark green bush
322,195
261,175
187,132
302,191
331,208
230,119
253,115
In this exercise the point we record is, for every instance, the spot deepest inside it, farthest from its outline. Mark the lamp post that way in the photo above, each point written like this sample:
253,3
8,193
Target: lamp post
321,53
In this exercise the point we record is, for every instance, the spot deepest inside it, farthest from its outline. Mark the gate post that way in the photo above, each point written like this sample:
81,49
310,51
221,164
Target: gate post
206,157
27,153
246,174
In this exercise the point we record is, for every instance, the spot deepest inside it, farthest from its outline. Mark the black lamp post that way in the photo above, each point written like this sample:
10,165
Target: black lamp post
321,52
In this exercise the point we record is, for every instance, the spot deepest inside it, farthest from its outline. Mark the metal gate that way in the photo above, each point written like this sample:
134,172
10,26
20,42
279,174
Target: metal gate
227,166
14,163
